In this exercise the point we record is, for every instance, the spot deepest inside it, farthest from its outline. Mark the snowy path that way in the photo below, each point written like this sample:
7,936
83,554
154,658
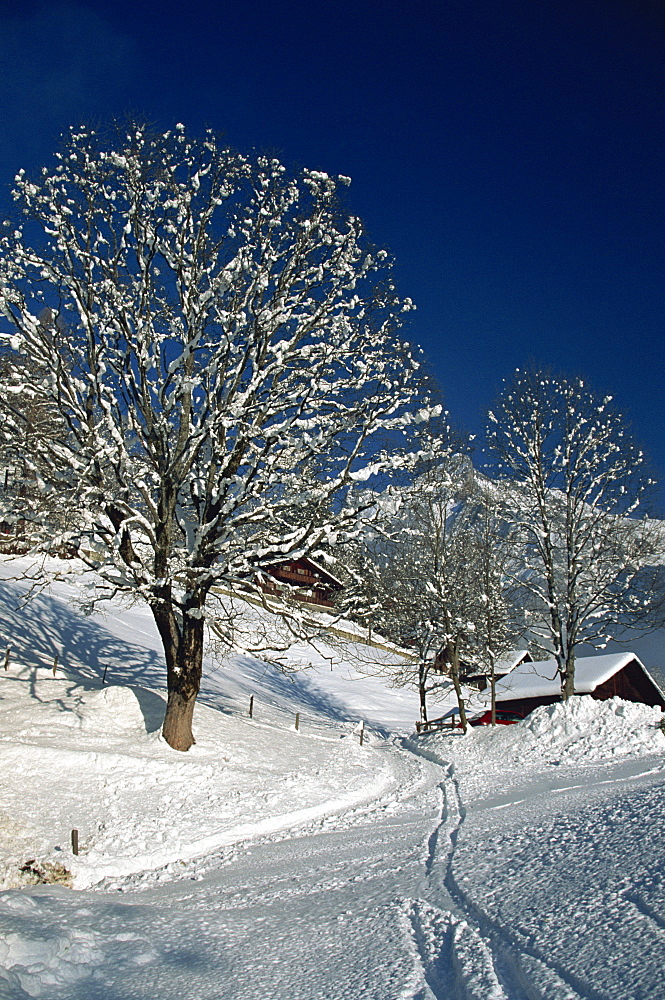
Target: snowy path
413,897
524,863
355,907
567,889
560,868
324,914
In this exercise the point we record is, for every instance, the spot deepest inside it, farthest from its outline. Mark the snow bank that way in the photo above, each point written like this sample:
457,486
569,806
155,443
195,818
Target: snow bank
115,708
509,764
584,728
580,730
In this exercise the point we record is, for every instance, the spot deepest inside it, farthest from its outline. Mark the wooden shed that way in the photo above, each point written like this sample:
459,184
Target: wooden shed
303,580
481,679
615,674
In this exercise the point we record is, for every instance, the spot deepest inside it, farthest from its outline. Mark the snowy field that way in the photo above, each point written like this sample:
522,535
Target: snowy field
525,863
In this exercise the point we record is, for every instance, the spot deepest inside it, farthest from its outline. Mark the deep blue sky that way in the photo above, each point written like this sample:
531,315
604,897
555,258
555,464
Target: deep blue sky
510,153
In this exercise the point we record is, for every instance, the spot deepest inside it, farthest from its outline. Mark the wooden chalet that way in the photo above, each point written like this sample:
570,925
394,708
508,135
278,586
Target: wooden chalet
620,675
303,580
13,535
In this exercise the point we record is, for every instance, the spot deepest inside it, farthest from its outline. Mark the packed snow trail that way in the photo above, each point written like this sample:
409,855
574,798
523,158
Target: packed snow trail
537,892
317,915
568,885
557,859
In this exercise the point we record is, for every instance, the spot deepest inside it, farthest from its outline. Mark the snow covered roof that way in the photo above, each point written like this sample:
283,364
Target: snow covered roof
506,664
323,569
540,679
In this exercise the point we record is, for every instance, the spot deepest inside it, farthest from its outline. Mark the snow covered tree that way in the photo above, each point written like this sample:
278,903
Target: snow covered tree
222,349
496,610
578,485
24,509
436,579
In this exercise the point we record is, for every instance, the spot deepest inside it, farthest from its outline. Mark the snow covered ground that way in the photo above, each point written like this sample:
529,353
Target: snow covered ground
138,805
525,863
559,848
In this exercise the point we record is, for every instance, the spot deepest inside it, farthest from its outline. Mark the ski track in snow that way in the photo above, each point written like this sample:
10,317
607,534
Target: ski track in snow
470,950
294,916
457,961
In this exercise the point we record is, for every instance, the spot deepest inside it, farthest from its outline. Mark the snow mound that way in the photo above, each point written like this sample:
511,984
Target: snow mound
586,728
44,955
117,707
579,731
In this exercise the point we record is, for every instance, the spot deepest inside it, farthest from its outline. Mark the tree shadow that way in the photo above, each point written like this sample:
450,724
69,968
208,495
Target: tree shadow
153,708
89,654
287,686
43,626
52,917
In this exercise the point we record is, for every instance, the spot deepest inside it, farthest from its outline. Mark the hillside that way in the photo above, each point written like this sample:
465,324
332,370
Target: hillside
100,718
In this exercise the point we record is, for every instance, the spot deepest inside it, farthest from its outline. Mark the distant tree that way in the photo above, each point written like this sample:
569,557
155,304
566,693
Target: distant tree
27,508
221,349
578,485
437,579
492,560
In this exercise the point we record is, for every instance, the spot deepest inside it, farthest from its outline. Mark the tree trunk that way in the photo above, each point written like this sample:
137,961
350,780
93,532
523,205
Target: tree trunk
183,651
567,671
183,686
177,728
422,691
453,659
493,691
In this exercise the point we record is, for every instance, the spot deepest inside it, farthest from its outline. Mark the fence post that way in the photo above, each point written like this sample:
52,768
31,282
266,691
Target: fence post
251,707
75,841
55,664
362,733
9,649
297,721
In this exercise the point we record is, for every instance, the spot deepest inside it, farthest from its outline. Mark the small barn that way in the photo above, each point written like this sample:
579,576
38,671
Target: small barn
303,580
505,665
621,675
480,679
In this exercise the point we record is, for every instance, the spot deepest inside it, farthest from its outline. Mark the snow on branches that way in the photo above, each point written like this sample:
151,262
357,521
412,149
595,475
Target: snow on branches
221,346
578,490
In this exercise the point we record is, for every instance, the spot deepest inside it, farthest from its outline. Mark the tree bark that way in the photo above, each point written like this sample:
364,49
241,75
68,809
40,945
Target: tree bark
568,678
453,659
183,651
177,728
422,690
183,686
